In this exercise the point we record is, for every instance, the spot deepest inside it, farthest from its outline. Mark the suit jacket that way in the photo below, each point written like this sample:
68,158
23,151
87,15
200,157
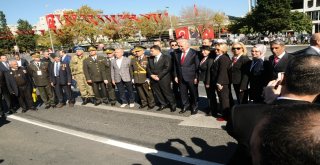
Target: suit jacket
95,70
219,71
162,68
64,77
189,70
42,79
11,80
3,68
24,62
204,70
260,74
307,51
66,59
239,72
281,66
123,73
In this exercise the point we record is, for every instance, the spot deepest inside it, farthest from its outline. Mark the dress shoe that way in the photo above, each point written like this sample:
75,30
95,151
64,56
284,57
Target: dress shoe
24,111
84,101
53,106
173,108
71,104
113,103
34,108
150,107
184,109
194,110
97,102
106,101
162,107
47,106
142,106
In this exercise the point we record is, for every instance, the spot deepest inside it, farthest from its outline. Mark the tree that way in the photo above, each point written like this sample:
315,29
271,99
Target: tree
300,22
44,41
6,36
26,39
220,19
270,16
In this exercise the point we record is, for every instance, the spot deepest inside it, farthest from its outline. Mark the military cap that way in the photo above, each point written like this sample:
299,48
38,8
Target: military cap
91,48
79,48
138,48
109,50
35,55
205,48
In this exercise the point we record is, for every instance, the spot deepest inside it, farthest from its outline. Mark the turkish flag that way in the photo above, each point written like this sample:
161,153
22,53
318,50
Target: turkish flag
50,21
206,33
182,32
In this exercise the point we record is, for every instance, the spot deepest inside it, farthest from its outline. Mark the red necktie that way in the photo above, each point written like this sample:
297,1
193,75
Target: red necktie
234,60
183,57
276,60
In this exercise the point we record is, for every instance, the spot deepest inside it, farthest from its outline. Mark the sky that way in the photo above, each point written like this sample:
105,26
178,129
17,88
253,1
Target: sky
31,10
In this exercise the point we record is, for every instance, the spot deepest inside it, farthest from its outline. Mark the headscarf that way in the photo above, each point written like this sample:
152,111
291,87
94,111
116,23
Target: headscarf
262,48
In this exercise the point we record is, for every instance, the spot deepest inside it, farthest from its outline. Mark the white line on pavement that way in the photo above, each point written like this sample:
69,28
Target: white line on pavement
115,143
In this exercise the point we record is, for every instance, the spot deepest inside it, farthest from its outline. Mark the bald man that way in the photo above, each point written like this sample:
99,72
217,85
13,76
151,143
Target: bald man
313,49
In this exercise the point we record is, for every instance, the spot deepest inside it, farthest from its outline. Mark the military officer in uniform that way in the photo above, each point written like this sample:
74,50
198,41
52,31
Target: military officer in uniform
19,84
142,83
39,71
94,69
60,78
76,66
110,87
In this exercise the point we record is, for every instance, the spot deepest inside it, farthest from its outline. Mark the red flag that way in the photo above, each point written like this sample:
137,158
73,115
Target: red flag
74,17
91,19
206,33
113,17
182,32
42,32
146,15
58,18
84,17
101,18
155,17
195,10
106,16
50,21
68,21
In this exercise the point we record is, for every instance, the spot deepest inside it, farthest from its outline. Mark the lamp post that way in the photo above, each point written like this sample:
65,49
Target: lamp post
171,29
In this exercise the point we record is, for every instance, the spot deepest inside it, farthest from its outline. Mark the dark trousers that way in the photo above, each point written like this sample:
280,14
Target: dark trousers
145,94
163,92
242,97
62,90
224,99
25,97
111,93
46,94
186,88
122,86
99,90
6,96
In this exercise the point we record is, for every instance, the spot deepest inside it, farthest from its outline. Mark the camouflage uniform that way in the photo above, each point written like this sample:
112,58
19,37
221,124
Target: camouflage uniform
76,66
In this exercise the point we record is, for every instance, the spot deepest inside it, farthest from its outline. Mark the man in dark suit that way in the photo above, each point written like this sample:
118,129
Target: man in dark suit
294,90
64,57
94,69
186,67
158,69
21,61
60,77
19,84
173,52
314,47
4,67
280,57
39,71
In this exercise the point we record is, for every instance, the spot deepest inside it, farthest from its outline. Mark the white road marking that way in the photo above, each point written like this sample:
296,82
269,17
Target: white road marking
115,143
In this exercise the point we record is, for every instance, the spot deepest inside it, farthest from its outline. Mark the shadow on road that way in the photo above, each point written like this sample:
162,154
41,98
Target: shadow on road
218,154
1,161
3,122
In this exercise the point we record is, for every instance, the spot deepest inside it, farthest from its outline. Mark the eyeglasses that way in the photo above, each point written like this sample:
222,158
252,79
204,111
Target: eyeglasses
236,48
174,45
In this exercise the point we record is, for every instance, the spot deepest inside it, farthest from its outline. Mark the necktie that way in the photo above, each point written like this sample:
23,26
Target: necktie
38,64
276,60
7,65
57,69
183,57
234,60
155,60
203,60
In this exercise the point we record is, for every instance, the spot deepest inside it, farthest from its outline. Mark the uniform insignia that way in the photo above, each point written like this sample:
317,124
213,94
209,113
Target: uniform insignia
10,72
24,71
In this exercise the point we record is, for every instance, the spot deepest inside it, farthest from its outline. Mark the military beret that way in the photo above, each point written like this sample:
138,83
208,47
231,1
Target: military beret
35,55
91,48
138,48
109,50
79,48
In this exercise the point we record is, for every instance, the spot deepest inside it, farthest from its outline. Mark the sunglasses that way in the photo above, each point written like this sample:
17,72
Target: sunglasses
174,45
236,48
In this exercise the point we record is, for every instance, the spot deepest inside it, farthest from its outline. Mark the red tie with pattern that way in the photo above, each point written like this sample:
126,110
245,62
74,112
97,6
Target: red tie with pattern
234,60
276,60
183,57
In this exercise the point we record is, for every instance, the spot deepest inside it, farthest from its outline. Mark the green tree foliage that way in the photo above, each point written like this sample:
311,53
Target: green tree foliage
300,22
6,37
44,41
219,20
26,40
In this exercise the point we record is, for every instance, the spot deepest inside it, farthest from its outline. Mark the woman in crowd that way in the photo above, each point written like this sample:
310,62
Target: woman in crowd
239,76
204,76
260,73
219,80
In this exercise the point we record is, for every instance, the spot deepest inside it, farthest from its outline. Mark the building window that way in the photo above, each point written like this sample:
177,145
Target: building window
315,15
310,3
297,4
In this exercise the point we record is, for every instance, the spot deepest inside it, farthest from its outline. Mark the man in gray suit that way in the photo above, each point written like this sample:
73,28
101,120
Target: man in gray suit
313,49
121,75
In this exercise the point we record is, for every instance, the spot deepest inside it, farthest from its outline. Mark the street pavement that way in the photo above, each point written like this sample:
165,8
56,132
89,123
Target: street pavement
111,135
